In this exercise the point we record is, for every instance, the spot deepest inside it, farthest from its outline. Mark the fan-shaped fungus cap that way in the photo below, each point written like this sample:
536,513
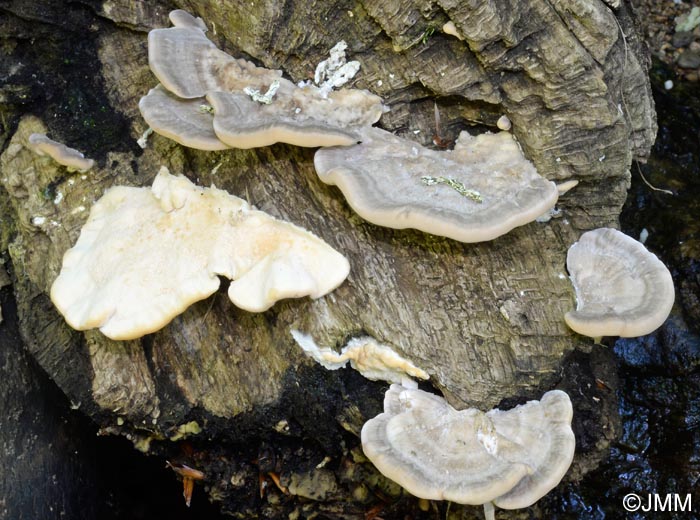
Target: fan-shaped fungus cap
189,65
621,288
541,430
59,152
145,255
511,458
482,189
187,121
296,116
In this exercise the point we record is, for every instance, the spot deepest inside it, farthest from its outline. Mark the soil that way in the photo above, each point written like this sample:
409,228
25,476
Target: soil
680,50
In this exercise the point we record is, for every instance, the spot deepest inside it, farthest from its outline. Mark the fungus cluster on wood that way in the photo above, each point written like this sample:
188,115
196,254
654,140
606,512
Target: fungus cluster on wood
210,100
146,254
505,458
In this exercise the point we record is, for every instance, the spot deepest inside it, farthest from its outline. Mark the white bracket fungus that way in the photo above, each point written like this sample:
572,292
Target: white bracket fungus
190,66
480,190
145,255
366,355
59,152
505,458
621,288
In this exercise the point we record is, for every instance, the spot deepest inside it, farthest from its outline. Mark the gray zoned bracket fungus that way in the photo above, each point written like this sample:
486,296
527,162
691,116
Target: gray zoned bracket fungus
145,254
190,66
59,152
505,458
295,116
186,121
621,288
480,190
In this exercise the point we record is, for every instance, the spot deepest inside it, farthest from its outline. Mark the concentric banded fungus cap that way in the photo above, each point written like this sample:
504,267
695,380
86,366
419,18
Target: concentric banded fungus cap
186,121
145,255
543,439
482,189
59,152
511,458
621,288
296,116
189,65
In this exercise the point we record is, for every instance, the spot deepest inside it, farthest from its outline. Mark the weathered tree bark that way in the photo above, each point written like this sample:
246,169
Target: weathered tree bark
484,320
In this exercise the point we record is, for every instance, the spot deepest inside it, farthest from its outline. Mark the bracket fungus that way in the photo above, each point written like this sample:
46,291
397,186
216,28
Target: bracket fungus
296,116
366,355
146,254
186,121
480,190
191,67
621,288
59,152
505,458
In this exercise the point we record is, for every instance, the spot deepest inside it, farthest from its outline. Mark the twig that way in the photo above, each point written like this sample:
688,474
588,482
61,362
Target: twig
627,112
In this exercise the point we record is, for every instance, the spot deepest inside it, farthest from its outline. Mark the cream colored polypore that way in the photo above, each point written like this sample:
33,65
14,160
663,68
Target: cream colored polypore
621,288
59,152
366,355
186,121
511,458
145,255
482,189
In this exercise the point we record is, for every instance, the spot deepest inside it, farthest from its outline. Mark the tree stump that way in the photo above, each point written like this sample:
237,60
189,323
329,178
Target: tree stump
484,320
